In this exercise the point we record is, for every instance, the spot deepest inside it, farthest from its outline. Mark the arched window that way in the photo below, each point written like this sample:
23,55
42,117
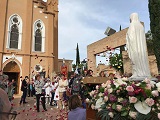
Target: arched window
14,32
39,36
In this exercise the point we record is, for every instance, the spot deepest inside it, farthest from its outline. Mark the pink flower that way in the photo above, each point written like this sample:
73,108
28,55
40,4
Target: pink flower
105,98
108,86
132,99
149,101
159,115
147,81
133,114
129,88
99,109
92,106
118,91
148,86
119,107
155,93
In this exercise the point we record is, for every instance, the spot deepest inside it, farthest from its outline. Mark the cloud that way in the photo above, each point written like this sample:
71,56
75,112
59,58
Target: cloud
85,22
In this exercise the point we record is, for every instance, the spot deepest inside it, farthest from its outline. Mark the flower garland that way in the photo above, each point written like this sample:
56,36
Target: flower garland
123,100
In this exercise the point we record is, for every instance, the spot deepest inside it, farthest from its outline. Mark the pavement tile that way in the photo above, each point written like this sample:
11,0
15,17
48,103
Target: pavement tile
28,111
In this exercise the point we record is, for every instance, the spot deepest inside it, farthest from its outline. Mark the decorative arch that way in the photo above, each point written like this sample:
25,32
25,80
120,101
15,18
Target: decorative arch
38,36
14,38
11,60
13,68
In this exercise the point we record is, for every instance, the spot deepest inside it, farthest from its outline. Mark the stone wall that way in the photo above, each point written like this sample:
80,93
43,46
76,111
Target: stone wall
128,68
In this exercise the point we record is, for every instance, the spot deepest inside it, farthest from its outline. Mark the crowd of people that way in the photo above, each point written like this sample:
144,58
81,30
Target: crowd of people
62,92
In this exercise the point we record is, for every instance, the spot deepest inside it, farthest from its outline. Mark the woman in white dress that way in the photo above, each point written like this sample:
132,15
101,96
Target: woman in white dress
63,84
48,89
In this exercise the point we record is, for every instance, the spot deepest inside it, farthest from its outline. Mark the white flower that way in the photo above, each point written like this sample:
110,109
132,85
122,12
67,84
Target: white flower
158,89
110,90
152,83
155,93
92,93
99,102
100,94
97,87
125,79
120,99
158,86
138,84
87,100
111,114
119,82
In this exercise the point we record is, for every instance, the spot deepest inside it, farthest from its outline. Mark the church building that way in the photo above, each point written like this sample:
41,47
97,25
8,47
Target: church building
28,38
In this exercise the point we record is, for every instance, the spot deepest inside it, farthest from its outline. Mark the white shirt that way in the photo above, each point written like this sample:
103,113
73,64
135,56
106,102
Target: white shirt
63,85
48,88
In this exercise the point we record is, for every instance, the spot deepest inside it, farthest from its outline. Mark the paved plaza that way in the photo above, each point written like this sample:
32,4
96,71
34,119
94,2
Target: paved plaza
28,111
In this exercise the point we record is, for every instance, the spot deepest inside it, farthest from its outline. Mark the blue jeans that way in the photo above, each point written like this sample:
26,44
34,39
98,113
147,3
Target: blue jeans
52,98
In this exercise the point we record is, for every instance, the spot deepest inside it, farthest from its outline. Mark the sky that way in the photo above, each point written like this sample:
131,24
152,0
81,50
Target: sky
85,21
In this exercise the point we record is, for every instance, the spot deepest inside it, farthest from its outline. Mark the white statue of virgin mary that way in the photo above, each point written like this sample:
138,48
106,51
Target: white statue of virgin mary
136,48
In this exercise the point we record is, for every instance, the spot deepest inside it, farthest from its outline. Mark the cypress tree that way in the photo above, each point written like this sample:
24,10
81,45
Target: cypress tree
77,56
121,47
154,11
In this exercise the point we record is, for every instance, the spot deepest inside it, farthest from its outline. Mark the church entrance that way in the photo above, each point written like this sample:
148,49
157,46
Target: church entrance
13,71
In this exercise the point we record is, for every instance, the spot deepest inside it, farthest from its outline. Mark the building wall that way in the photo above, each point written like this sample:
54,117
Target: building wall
100,46
30,11
128,67
68,63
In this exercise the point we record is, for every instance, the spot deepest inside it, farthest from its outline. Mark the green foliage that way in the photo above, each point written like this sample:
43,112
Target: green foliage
119,117
154,10
116,62
74,67
143,117
77,56
103,114
149,40
153,116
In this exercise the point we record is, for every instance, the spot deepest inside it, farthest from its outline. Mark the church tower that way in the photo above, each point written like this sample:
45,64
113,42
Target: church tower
28,38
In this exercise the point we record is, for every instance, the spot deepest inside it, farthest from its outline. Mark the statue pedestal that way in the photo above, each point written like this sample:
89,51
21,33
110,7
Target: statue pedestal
142,78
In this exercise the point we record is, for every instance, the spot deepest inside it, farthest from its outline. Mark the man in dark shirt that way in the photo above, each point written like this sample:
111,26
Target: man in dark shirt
24,89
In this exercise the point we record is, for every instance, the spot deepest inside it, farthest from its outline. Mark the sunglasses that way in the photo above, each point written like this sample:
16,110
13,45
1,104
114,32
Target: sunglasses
11,115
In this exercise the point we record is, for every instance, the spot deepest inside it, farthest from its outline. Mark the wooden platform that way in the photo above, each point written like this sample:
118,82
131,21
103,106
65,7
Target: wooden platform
95,80
91,114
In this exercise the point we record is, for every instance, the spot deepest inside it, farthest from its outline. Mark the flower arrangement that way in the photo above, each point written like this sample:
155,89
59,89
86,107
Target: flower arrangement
121,99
